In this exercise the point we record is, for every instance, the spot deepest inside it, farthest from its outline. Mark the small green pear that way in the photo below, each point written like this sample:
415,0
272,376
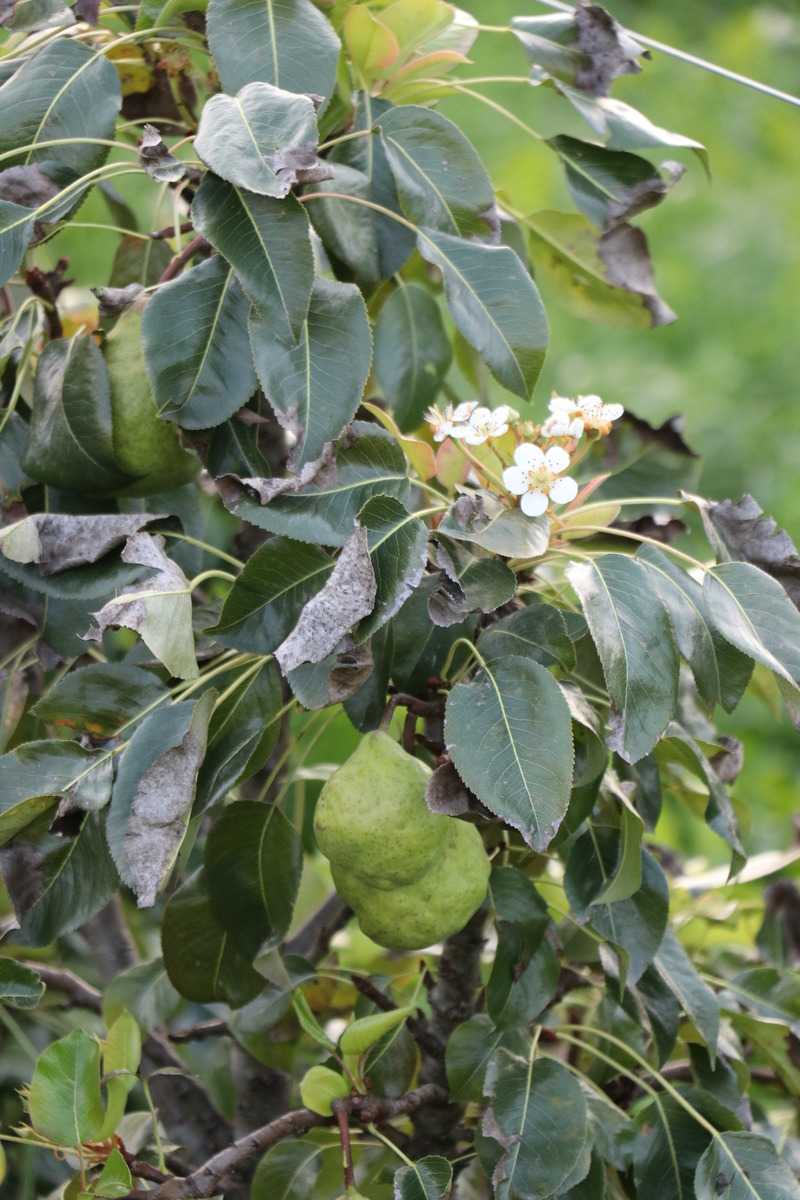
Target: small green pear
372,817
144,445
436,904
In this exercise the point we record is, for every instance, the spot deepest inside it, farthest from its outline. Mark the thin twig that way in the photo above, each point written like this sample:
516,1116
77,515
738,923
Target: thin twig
313,940
169,231
176,265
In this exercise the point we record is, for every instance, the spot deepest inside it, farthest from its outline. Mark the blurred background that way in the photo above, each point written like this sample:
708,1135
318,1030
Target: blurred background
727,259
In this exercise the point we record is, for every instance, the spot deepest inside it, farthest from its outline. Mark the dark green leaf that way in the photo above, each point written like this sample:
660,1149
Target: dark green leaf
519,990
145,991
440,180
368,462
71,442
64,1102
495,305
98,699
770,993
635,925
242,735
609,186
264,139
695,997
470,1048
201,960
347,228
252,865
539,1116
153,794
744,1166
268,244
139,260
288,43
196,346
665,1166
19,985
634,640
412,352
721,672
398,542
35,774
67,90
314,383
593,1187
420,648
752,611
16,230
427,1179
537,631
509,734
267,598
57,889
481,518
289,1171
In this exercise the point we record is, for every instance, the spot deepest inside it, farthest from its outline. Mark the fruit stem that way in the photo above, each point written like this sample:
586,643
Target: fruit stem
342,1115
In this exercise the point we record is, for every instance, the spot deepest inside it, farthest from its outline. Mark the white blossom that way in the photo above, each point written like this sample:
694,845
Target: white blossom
452,422
485,423
537,478
572,417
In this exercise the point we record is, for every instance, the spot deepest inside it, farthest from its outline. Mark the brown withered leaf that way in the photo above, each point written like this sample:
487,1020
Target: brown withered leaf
58,541
608,50
740,530
626,258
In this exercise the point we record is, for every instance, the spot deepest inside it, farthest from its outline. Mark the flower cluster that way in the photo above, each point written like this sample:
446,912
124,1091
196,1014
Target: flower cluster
537,474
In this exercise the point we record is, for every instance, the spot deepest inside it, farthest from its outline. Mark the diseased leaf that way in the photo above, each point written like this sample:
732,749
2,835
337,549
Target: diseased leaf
610,186
253,861
744,1166
367,462
412,352
634,640
314,384
196,346
538,1115
201,960
347,595
585,47
156,158
64,1101
494,304
66,90
57,542
71,444
626,259
60,884
741,531
267,243
160,609
481,518
440,180
288,43
153,794
509,733
19,985
263,139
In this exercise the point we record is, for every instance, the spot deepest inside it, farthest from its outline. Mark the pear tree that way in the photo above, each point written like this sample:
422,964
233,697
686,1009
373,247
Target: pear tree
357,698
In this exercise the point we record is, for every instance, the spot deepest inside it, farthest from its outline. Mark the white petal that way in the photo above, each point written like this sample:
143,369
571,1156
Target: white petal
555,427
576,428
563,490
458,431
561,405
474,437
480,414
516,480
590,404
528,456
611,412
440,435
557,459
533,504
464,411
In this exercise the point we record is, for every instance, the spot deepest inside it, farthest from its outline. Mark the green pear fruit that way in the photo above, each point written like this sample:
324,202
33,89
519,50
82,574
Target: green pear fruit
436,904
372,818
144,445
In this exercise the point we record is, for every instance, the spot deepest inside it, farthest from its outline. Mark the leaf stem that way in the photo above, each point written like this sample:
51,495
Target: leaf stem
212,573
640,537
345,137
209,549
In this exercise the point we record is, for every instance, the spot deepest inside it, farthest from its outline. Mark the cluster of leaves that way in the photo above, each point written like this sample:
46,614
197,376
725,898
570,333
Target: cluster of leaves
227,530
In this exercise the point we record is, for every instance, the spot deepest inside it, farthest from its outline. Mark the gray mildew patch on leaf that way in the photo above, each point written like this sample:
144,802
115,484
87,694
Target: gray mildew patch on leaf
57,541
160,609
348,595
153,795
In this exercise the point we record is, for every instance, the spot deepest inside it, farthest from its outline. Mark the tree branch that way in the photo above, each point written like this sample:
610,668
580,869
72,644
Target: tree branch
79,994
208,1179
175,265
313,939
